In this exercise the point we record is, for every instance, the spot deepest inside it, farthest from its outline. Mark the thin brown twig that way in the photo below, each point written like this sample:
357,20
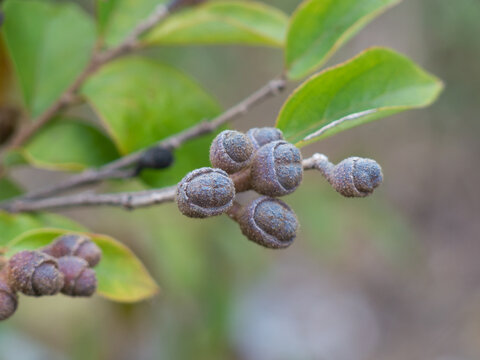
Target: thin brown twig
92,176
127,200
97,60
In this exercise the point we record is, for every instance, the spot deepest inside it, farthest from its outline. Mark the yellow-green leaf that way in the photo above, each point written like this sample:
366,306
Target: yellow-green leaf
319,27
222,22
377,83
120,274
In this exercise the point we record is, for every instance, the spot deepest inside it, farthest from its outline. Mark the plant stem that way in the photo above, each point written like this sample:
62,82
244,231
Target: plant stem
92,176
131,200
97,60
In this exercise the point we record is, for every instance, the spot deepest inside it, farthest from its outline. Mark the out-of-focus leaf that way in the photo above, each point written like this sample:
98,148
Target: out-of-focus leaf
120,274
69,145
8,189
377,83
319,27
141,102
50,43
117,18
13,225
223,22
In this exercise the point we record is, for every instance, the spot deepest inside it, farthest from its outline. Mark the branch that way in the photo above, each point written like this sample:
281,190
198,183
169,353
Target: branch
98,60
127,200
92,176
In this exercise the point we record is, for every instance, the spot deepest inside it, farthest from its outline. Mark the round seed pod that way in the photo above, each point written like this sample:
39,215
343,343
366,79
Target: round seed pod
269,222
75,245
276,169
263,136
80,280
8,298
356,177
231,151
34,273
205,192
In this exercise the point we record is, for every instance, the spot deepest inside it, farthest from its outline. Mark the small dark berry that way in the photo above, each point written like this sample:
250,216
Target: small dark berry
263,136
231,151
276,169
205,192
269,222
80,280
34,273
156,157
75,245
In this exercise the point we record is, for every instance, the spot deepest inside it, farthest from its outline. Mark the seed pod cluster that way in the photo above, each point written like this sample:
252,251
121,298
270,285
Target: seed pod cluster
261,160
63,266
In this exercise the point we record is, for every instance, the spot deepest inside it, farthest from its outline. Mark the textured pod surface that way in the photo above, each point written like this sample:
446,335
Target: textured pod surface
356,177
75,245
80,280
231,151
205,192
276,169
269,222
263,136
34,273
8,298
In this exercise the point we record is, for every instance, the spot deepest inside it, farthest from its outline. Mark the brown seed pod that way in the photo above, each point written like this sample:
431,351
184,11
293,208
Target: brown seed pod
263,136
231,151
75,245
8,297
276,169
205,192
356,177
268,222
34,273
80,280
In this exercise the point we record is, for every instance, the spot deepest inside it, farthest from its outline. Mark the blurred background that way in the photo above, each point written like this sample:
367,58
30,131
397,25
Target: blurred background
391,277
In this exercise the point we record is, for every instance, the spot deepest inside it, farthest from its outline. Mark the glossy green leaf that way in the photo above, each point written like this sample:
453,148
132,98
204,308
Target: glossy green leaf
8,189
120,274
117,18
377,83
142,101
319,27
223,22
13,225
70,145
50,44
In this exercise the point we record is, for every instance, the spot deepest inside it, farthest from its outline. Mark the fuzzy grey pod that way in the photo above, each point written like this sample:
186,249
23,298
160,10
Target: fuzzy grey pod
34,273
75,245
205,192
264,135
356,177
80,280
231,151
8,298
269,222
276,169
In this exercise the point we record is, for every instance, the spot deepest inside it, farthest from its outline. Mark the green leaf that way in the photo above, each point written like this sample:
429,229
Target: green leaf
142,101
117,18
13,225
8,189
223,22
69,145
318,28
377,83
120,274
50,44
